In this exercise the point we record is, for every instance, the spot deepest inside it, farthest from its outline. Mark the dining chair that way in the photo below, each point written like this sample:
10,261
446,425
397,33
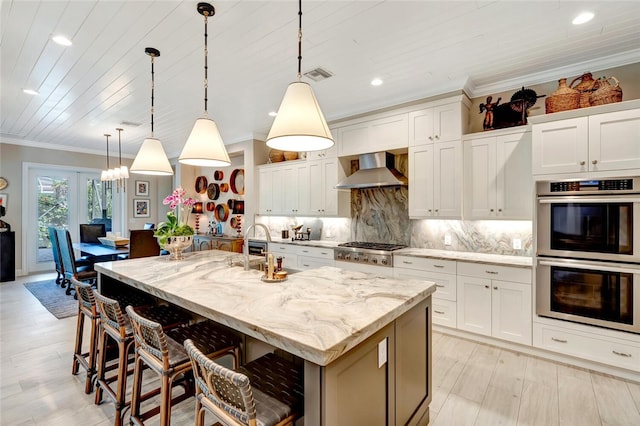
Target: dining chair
71,269
268,391
142,243
89,232
149,226
55,249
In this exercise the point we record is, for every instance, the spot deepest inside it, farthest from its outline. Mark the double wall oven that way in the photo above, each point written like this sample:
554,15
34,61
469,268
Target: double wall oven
588,252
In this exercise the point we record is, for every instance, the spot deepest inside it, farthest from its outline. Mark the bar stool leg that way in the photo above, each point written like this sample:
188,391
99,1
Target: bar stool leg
91,369
101,363
77,351
137,387
165,401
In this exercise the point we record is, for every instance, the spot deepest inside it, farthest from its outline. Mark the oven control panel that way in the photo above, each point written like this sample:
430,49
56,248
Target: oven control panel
626,185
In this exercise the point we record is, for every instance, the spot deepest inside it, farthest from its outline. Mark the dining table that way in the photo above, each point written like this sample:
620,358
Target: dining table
101,252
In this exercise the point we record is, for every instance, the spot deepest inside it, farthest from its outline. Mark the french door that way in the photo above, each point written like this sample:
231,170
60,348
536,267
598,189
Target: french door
64,198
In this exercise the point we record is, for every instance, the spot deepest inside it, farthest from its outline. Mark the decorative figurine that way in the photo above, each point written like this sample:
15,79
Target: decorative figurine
488,117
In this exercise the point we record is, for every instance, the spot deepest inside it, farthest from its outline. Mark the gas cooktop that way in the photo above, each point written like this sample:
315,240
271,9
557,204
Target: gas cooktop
371,253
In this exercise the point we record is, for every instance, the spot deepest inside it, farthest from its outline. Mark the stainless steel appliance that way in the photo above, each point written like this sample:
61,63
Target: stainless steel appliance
588,252
374,258
589,219
597,293
258,247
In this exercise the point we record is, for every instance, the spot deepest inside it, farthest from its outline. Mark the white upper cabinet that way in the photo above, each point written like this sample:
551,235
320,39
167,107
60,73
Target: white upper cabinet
373,135
435,181
325,199
436,124
595,143
498,181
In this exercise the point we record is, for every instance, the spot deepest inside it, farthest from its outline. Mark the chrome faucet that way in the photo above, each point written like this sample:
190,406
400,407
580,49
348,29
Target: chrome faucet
246,242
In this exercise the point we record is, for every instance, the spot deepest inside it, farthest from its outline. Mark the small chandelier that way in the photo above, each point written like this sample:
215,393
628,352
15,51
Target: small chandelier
151,158
204,145
121,174
300,124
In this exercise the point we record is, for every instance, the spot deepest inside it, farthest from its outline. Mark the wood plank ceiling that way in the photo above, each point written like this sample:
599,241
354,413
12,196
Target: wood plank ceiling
419,49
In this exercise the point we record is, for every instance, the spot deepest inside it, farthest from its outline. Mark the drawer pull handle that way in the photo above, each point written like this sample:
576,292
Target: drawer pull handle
492,272
622,354
439,285
558,340
438,266
406,262
305,265
486,286
323,252
495,287
439,312
305,251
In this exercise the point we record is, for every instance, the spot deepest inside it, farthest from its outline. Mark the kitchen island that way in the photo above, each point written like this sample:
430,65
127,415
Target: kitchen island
365,340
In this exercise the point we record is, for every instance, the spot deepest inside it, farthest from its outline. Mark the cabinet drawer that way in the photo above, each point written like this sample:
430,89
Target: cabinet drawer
306,262
281,248
425,264
608,351
443,312
445,283
495,272
323,253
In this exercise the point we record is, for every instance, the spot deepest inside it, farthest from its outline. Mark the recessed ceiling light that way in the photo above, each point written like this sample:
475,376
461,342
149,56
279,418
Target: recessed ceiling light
376,82
62,40
273,114
30,92
582,18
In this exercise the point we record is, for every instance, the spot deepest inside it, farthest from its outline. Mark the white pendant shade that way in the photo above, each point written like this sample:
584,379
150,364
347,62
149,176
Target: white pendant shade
124,172
300,124
151,159
204,146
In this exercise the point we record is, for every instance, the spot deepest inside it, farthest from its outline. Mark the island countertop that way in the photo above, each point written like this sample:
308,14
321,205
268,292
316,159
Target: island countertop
318,314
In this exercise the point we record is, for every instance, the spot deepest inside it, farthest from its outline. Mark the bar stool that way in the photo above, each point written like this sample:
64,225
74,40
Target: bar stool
116,325
268,391
164,353
86,308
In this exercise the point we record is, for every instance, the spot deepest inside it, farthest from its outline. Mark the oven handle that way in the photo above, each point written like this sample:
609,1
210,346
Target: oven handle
607,199
590,266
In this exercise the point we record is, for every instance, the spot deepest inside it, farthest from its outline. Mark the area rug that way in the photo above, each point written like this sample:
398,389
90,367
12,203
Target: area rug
52,297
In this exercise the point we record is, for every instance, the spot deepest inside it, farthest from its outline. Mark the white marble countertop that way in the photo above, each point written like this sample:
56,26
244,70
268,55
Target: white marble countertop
317,314
496,259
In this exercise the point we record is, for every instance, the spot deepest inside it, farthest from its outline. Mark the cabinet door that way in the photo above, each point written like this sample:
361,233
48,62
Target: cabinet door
614,141
388,133
447,180
560,146
265,196
511,311
421,181
421,127
480,177
474,304
514,183
316,187
447,122
353,139
277,191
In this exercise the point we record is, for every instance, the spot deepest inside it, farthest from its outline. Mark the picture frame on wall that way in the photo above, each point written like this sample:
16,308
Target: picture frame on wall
141,208
142,188
3,200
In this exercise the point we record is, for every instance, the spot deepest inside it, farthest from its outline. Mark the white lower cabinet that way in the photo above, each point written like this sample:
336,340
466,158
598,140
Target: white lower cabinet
588,345
443,273
302,257
494,307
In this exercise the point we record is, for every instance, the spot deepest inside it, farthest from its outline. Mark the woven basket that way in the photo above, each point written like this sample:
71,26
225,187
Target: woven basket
276,156
563,99
605,93
290,155
585,87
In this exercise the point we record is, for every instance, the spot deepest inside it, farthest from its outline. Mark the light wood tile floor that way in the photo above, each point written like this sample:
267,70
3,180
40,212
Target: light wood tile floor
473,383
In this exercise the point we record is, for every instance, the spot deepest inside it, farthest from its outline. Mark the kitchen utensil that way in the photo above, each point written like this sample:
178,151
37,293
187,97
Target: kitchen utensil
210,206
213,191
285,234
218,175
222,212
237,181
201,184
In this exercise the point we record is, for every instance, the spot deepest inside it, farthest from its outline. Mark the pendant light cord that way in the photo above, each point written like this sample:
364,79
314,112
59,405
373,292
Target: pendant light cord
153,86
206,63
299,40
107,135
119,146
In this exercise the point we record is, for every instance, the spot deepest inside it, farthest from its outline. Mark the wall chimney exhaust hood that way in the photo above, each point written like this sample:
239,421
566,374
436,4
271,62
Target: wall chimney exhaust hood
376,170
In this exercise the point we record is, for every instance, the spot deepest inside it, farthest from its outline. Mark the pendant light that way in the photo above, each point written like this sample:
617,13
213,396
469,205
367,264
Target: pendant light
204,146
122,171
106,175
151,158
300,124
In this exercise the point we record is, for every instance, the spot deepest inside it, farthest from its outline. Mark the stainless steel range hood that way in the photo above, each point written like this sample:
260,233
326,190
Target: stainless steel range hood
376,170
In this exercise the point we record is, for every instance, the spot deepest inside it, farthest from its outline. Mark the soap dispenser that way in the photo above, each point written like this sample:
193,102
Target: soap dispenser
219,228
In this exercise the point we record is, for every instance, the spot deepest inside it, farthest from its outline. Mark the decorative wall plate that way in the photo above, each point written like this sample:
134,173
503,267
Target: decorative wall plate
213,191
211,206
222,212
237,181
218,175
201,184
3,183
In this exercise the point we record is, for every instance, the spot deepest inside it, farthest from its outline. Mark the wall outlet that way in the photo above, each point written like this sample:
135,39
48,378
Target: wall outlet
447,239
517,244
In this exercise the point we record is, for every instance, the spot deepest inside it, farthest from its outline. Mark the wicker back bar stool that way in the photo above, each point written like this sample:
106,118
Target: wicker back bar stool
114,324
164,353
86,309
268,391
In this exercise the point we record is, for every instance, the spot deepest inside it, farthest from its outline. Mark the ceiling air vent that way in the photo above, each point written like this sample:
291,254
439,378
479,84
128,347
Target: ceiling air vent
130,123
318,74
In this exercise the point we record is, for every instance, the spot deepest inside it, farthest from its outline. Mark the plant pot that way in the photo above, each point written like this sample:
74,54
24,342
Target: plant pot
175,245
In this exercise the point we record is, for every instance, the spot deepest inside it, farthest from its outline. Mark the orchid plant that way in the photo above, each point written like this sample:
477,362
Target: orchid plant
177,217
